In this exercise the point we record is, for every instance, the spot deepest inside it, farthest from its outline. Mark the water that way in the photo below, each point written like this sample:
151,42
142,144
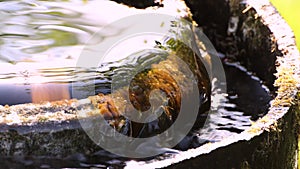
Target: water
36,38
247,100
35,30
40,42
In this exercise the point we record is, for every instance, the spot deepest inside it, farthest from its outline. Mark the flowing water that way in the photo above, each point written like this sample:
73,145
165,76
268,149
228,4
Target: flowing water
40,42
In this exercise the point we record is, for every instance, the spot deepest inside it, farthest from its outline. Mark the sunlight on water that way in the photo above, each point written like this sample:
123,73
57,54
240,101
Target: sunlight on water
40,42
38,38
32,28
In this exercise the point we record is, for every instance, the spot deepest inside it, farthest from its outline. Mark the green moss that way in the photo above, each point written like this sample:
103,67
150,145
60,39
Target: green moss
42,119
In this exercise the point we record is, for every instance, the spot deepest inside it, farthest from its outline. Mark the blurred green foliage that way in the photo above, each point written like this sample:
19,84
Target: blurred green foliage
290,10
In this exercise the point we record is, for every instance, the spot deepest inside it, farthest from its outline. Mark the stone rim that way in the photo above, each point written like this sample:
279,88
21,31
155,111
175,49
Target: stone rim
287,74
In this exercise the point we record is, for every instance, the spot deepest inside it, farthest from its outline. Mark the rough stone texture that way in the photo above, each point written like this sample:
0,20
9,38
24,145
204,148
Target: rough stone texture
253,33
261,40
271,149
52,128
251,43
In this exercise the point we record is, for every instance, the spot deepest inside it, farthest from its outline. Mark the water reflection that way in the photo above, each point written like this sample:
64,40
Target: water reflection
40,42
230,120
31,27
246,100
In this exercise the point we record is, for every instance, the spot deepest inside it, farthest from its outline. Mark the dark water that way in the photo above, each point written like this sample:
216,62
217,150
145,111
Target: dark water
40,42
247,100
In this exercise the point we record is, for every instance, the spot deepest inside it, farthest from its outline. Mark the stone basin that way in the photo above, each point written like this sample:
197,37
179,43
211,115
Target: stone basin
251,32
266,46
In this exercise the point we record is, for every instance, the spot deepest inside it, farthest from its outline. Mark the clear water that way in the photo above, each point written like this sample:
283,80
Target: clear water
34,31
40,42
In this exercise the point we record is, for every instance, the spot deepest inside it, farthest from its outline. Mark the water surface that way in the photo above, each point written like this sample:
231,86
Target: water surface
40,42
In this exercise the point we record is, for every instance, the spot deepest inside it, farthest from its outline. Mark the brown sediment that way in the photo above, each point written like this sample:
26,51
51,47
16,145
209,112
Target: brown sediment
52,129
106,106
167,76
142,85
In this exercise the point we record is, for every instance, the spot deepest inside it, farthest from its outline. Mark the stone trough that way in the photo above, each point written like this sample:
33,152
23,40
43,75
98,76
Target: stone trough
250,32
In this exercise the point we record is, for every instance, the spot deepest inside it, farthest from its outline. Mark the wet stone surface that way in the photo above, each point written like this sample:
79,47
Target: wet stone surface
247,99
236,116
